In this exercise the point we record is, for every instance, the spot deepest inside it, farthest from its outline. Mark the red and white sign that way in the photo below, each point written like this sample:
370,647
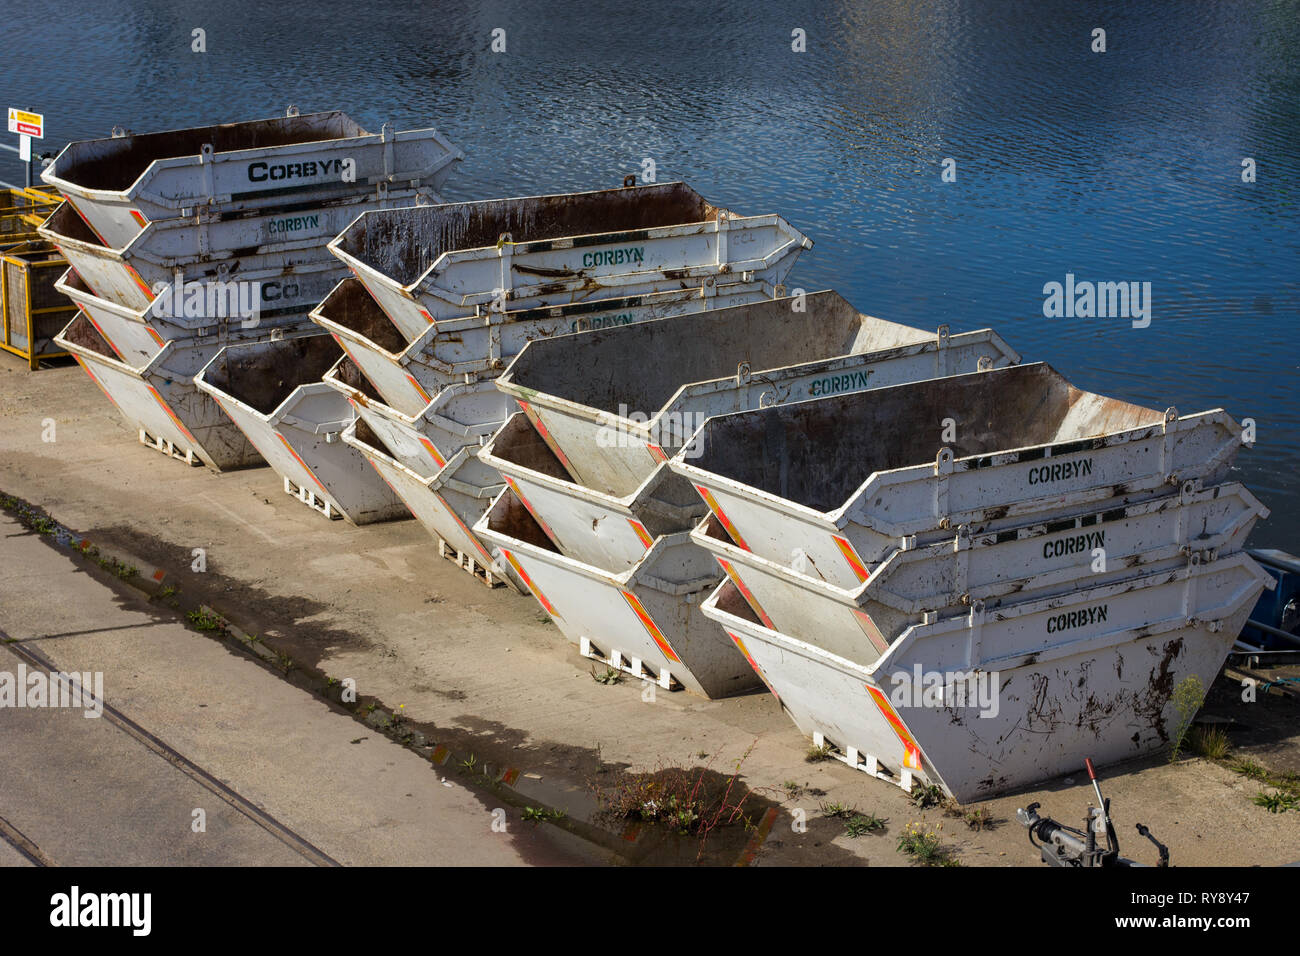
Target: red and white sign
30,124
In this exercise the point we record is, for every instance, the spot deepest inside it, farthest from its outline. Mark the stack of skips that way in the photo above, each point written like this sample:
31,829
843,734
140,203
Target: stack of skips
948,566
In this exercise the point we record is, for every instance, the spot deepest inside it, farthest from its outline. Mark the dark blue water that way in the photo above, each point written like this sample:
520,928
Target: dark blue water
1122,166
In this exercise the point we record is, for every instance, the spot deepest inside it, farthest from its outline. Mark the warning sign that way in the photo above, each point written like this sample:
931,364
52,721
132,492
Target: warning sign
32,124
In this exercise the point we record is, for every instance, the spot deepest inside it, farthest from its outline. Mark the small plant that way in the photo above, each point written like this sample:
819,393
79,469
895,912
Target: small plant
793,789
43,525
840,810
469,764
609,675
860,823
204,620
818,753
1211,742
1188,697
1276,802
1249,768
539,815
978,820
924,846
701,755
166,592
928,796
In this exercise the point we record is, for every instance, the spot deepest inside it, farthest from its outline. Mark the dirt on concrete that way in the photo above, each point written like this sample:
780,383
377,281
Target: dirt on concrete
483,672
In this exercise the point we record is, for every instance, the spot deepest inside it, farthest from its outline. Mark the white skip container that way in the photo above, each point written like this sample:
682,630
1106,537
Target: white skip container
479,346
430,263
984,702
838,483
273,391
121,184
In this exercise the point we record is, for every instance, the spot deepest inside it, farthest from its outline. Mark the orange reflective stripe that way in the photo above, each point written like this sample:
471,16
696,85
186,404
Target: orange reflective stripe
416,385
652,629
310,474
156,337
869,628
726,522
94,379
851,557
138,217
425,312
523,576
911,752
656,451
527,504
170,414
433,452
469,534
641,532
753,663
748,595
546,435
139,281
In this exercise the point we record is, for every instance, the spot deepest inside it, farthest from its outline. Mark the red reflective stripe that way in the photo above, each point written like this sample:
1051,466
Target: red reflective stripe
744,590
753,663
91,319
170,414
310,474
416,385
641,532
869,628
87,222
911,752
651,627
658,452
546,435
523,575
469,534
138,217
94,379
851,557
433,452
139,281
532,511
726,522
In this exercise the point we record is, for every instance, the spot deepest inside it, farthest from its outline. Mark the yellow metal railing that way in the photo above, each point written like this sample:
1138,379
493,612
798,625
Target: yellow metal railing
22,210
31,309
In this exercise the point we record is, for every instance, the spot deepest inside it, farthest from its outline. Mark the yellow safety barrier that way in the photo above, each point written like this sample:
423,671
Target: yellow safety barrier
33,311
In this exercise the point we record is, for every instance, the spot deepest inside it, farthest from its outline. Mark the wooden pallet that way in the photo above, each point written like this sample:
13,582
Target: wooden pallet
312,500
170,450
468,562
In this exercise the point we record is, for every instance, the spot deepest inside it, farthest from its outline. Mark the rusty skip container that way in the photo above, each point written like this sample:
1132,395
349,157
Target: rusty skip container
838,483
645,620
984,702
598,529
479,346
160,400
119,185
612,419
431,461
445,503
456,416
1101,544
273,391
263,267
137,336
431,263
